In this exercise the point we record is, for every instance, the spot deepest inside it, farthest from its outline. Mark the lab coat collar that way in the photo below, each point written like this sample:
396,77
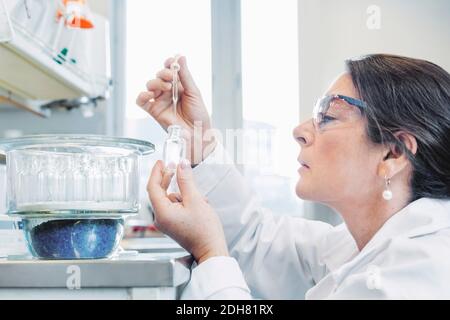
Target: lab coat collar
420,217
340,247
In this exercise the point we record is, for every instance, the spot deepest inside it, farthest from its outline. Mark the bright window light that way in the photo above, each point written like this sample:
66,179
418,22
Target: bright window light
157,30
270,82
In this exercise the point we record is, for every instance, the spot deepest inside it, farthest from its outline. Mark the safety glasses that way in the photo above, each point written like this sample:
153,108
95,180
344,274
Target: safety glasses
336,109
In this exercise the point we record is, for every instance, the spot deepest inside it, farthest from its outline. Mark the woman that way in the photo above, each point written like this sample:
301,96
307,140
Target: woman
377,150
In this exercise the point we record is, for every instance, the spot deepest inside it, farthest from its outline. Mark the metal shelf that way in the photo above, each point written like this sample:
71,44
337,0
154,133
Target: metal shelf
31,72
34,75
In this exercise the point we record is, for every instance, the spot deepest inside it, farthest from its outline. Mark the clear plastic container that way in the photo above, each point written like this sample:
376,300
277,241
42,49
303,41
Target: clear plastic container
75,188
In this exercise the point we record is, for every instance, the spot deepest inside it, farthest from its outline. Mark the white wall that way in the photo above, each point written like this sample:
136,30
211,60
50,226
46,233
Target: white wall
100,7
331,31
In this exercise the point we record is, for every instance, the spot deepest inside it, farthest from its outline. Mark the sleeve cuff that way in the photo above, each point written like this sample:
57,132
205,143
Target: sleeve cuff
213,169
214,275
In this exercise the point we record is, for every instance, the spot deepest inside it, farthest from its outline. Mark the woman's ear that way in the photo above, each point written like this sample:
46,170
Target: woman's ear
395,159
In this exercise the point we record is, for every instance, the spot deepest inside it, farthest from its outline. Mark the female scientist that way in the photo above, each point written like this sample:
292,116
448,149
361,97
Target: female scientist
377,150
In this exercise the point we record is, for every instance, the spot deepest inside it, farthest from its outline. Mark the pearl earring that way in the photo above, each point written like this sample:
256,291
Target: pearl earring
387,194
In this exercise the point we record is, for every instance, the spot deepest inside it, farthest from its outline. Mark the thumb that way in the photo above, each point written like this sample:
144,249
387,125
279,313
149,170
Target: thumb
185,76
185,180
157,194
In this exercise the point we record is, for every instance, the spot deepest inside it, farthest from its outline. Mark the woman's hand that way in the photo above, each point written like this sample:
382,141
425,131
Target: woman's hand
191,110
187,217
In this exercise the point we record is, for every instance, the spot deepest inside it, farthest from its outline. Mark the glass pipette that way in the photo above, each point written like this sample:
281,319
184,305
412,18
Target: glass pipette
174,146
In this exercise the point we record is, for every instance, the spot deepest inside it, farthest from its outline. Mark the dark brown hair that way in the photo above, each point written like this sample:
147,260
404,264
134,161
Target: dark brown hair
413,96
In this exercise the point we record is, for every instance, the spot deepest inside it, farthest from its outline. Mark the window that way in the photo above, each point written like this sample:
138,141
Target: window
270,88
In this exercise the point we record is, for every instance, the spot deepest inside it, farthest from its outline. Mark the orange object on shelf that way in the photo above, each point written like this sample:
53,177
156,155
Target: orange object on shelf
74,12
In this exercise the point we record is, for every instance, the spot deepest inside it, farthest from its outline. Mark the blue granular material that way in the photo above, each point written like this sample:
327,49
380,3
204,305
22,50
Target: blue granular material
73,238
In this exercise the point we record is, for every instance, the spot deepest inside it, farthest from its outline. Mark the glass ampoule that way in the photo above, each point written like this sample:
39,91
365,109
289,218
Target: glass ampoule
174,147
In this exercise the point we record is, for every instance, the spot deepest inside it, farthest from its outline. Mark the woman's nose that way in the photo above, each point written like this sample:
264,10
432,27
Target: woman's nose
303,133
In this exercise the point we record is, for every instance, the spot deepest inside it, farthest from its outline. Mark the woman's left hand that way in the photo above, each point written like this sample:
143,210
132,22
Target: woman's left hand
187,217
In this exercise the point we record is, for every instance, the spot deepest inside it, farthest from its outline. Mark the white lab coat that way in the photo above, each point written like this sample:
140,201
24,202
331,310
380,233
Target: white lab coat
286,257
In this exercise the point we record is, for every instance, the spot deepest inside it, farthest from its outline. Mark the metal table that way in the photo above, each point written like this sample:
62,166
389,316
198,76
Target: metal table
149,275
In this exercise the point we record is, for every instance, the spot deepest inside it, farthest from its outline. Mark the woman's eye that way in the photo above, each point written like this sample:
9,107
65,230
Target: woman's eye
326,119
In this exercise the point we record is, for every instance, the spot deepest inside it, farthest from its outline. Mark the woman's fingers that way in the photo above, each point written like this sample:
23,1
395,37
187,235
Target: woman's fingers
168,173
184,74
158,84
155,88
159,90
168,62
185,180
186,77
175,197
155,107
156,193
165,74
144,97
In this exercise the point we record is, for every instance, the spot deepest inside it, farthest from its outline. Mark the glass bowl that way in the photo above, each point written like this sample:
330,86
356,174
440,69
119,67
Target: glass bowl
73,192
73,172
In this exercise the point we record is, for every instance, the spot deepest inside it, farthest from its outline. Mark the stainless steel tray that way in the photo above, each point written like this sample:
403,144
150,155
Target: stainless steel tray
170,269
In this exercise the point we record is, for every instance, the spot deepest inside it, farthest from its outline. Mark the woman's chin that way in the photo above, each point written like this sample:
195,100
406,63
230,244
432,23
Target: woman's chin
302,191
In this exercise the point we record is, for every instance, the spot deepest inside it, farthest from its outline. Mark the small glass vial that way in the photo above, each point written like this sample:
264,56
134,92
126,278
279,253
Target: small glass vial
174,148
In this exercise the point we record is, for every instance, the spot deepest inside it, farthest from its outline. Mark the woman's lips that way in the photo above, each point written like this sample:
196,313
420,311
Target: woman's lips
304,166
